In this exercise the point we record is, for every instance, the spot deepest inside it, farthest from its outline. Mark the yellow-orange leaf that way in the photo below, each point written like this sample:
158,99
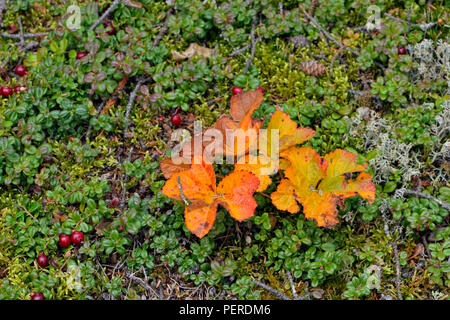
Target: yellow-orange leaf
319,184
267,163
284,197
261,166
289,134
198,185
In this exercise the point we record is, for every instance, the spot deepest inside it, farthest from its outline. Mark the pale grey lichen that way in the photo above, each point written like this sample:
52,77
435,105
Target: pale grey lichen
432,60
392,155
375,132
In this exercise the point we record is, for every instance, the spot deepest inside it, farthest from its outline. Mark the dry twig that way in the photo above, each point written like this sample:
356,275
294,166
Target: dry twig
291,283
185,200
130,104
244,48
332,39
397,258
422,26
105,14
164,28
281,295
142,283
443,204
25,35
22,39
271,290
125,180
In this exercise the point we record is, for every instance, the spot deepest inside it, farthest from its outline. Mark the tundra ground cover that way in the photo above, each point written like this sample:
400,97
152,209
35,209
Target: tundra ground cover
92,91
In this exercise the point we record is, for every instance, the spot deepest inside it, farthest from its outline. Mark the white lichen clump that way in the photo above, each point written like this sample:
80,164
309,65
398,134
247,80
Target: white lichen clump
432,60
394,156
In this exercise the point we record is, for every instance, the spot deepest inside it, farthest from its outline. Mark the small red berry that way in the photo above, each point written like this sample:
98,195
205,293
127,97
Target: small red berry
42,260
115,202
401,50
64,240
18,89
236,90
111,30
260,90
37,296
81,55
161,118
176,120
77,238
6,91
21,70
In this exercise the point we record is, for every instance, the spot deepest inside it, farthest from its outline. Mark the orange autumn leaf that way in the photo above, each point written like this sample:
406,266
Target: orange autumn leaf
289,134
183,159
242,107
241,123
320,185
261,166
235,193
267,163
169,167
198,186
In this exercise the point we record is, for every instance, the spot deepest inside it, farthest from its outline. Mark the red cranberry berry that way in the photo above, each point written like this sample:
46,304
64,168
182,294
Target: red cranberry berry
401,50
236,90
21,70
260,90
12,28
42,260
77,238
64,240
176,120
37,296
6,91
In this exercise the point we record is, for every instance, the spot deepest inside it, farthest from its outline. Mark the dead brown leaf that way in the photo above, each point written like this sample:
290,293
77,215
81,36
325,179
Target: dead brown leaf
193,50
102,225
133,4
112,101
58,216
418,250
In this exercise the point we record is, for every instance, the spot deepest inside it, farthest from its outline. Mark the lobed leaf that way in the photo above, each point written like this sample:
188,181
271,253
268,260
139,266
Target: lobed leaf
198,185
319,184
